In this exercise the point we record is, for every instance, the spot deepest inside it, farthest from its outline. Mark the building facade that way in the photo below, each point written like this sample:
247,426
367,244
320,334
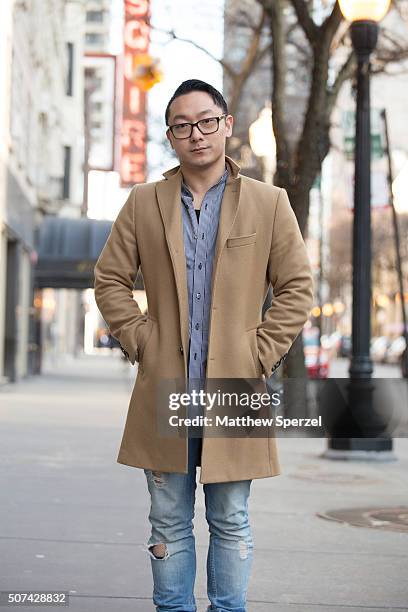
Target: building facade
41,161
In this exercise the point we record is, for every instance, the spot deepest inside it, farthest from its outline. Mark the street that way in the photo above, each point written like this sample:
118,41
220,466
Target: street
204,188
73,519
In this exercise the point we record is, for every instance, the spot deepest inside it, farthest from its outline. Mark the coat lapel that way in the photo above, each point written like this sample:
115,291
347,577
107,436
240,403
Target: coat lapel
169,200
229,207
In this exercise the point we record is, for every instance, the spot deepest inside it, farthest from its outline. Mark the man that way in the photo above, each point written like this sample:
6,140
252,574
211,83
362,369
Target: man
209,242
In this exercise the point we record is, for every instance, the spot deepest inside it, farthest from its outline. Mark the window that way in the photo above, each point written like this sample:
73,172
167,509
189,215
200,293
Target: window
67,173
69,87
96,107
94,16
95,83
93,38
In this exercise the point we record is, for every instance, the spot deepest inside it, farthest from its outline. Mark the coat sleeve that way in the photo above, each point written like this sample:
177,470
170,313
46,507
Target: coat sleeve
290,274
115,275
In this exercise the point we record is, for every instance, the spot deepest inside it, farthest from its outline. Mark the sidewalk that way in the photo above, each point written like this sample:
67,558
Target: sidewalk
73,519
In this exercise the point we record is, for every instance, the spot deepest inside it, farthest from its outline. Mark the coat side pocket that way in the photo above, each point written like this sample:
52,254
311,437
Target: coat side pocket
144,339
253,345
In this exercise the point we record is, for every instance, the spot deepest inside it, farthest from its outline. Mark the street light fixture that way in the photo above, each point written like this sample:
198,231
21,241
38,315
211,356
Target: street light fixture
364,10
364,15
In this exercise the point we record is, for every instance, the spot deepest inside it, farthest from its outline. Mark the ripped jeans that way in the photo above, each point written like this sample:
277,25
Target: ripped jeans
172,544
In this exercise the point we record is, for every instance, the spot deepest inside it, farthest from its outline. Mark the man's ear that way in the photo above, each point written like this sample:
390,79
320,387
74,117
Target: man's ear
229,121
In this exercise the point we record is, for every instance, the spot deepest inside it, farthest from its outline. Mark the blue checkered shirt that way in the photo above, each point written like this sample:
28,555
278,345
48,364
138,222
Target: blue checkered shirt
200,233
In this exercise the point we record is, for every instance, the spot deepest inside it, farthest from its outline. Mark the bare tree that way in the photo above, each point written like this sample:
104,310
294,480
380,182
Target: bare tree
322,50
384,274
282,29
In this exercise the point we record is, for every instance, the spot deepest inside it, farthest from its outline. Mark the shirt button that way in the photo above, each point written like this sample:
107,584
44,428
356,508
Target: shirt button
197,326
200,265
198,295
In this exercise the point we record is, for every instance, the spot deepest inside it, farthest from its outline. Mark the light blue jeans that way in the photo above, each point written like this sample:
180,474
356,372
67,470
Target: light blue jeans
230,549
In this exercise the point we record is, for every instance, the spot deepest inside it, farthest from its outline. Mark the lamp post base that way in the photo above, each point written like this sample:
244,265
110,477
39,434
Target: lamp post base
360,449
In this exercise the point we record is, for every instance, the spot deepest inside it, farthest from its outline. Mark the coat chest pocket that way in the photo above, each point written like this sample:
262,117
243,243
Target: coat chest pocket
238,241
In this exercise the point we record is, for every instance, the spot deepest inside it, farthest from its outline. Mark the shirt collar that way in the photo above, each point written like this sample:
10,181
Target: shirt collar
186,192
233,167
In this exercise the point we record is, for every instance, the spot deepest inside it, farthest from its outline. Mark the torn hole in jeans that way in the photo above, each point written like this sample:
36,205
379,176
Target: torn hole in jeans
158,551
243,549
158,479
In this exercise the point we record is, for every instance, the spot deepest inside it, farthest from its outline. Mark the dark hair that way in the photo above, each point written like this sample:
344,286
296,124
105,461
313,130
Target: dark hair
197,85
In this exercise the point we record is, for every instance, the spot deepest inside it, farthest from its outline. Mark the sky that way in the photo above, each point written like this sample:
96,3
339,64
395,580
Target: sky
192,20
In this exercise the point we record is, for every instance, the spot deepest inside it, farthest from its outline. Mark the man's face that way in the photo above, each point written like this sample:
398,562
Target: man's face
200,150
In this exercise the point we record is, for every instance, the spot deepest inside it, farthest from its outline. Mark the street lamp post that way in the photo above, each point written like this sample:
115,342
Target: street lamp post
364,37
364,15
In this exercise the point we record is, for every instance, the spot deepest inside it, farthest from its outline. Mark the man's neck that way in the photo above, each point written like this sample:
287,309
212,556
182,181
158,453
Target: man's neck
200,181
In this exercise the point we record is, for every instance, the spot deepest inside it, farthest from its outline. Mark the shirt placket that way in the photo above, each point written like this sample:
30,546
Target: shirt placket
198,289
200,236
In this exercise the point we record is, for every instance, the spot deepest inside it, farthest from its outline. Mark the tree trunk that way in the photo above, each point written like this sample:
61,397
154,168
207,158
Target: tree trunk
294,364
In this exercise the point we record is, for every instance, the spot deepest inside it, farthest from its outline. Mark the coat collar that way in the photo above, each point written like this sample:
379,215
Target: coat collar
233,169
169,200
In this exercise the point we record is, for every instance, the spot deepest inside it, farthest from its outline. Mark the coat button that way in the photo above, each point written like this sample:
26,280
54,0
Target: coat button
181,350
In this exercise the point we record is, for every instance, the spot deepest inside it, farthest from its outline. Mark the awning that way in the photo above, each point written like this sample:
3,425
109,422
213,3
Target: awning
68,250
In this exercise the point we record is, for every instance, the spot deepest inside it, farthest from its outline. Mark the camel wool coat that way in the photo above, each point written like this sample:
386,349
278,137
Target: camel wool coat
258,243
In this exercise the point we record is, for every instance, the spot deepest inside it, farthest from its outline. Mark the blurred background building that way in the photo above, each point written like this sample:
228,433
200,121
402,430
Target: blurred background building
42,153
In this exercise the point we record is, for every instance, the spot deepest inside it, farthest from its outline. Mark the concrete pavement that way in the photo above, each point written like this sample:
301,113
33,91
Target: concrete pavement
73,519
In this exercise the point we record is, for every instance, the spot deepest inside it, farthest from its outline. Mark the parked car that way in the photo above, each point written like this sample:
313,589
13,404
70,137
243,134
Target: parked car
331,343
316,357
317,364
395,350
378,348
344,349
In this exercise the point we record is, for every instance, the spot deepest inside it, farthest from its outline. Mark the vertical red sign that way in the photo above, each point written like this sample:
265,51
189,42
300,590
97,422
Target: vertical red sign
134,133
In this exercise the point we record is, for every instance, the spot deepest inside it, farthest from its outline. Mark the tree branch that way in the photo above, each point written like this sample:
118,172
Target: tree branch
345,73
173,36
306,22
276,25
251,60
330,25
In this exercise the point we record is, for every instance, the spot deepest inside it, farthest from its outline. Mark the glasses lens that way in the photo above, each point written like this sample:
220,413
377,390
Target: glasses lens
182,130
208,125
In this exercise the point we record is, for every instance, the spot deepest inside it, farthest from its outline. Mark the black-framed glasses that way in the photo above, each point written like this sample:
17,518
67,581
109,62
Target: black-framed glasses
206,126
